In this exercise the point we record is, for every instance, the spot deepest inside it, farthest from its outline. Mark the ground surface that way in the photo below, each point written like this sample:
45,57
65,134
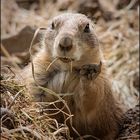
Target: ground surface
117,27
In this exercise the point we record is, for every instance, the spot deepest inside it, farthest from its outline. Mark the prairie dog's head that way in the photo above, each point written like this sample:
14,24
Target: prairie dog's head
71,37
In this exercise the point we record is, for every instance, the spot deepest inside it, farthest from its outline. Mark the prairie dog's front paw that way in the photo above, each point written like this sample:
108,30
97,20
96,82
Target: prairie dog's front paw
90,71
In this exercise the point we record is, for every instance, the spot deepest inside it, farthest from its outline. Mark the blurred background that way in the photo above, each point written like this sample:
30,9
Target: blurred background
116,24
117,27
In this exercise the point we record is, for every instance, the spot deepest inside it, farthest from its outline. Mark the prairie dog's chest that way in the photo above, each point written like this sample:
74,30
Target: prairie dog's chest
64,82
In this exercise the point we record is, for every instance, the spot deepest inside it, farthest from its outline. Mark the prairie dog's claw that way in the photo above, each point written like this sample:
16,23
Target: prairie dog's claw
90,71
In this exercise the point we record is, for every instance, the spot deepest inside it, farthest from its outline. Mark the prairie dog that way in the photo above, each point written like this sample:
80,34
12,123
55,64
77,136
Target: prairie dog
79,71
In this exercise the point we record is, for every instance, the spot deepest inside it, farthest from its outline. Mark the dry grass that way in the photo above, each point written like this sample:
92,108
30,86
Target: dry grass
25,119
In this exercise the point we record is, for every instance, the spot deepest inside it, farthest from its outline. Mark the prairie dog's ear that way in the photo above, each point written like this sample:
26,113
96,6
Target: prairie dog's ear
92,21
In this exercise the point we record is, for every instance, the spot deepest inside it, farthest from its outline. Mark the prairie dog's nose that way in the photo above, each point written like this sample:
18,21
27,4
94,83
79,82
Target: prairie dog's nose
65,44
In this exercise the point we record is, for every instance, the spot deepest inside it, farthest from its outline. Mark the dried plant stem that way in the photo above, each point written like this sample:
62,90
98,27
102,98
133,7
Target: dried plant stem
15,99
30,50
33,132
6,53
51,64
64,102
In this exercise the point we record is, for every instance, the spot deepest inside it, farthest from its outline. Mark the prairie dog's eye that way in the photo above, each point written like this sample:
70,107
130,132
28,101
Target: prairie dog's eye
53,25
87,28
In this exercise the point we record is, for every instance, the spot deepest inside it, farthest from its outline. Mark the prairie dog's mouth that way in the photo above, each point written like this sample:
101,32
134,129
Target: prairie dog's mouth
66,59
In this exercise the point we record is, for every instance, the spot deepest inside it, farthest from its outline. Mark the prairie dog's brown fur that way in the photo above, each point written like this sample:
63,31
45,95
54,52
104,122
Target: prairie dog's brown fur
92,103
